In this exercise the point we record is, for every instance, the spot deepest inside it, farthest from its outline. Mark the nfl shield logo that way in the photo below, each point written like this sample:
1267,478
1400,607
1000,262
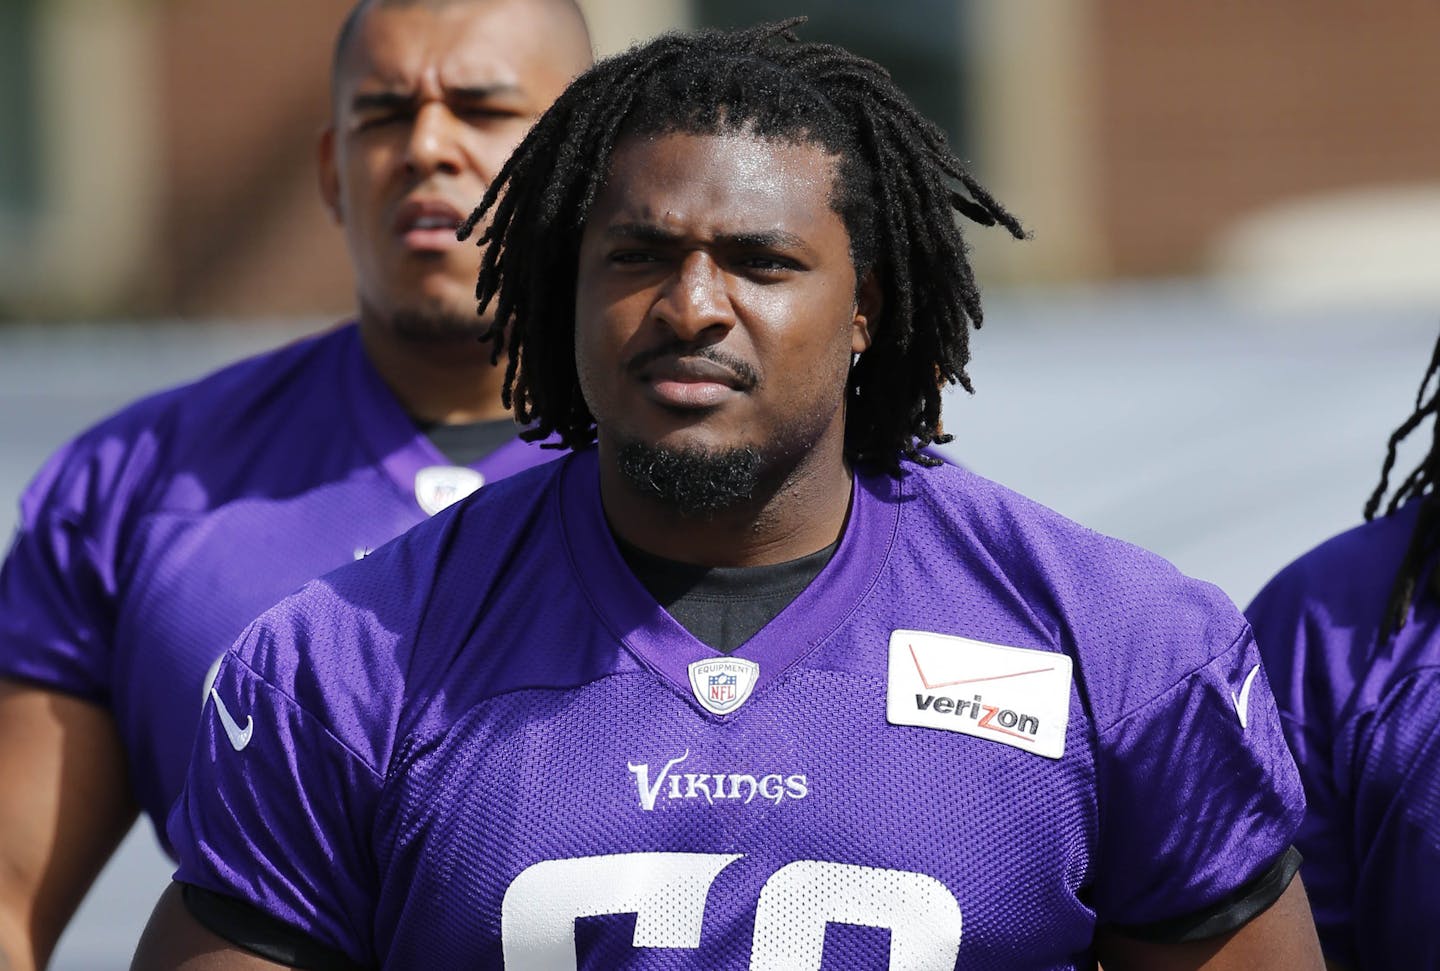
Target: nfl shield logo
722,689
438,486
722,684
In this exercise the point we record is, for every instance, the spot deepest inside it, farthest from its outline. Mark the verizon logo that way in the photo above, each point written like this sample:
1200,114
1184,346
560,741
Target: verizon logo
990,717
1013,695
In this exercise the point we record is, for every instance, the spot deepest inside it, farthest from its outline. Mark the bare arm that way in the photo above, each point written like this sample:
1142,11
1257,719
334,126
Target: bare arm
64,807
174,939
1283,936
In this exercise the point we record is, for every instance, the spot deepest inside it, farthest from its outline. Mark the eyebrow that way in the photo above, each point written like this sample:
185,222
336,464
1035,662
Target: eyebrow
392,100
389,100
759,239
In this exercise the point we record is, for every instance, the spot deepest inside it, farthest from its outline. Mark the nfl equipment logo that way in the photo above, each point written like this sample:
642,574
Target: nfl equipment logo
722,684
438,486
722,689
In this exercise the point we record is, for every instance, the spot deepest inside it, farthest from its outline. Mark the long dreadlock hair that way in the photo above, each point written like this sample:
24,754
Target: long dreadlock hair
897,189
1419,484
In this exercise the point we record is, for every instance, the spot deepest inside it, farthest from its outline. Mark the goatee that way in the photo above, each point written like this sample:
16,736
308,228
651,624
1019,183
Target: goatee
696,482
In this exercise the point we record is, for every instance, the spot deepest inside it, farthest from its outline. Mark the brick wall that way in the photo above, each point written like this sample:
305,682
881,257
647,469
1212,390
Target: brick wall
1210,111
1203,113
245,92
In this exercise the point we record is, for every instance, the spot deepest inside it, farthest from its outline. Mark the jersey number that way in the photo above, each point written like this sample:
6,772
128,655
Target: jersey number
667,891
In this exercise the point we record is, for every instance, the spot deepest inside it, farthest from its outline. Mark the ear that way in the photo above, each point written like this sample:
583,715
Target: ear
868,304
328,173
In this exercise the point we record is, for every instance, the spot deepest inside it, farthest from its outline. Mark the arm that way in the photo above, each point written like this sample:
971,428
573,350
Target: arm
276,864
1308,664
1200,800
1283,936
59,827
174,939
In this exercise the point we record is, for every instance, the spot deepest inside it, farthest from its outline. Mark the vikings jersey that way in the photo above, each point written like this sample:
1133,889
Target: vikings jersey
977,734
148,543
1363,719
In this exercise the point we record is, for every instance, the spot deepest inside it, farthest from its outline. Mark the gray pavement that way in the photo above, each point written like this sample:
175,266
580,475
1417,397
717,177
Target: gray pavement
1227,438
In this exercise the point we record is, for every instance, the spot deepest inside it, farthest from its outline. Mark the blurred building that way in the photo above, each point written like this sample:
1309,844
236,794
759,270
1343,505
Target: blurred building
156,156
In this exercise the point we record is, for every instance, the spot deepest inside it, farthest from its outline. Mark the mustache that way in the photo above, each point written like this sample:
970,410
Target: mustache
749,377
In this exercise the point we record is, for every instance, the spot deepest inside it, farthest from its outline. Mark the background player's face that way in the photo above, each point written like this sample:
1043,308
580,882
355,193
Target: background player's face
430,99
716,301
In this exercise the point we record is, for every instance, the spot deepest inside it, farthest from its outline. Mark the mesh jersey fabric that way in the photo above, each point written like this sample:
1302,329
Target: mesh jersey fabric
480,746
147,544
1364,724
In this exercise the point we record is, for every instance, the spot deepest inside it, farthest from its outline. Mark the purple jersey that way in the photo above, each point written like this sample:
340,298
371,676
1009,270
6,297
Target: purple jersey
980,731
148,543
1363,719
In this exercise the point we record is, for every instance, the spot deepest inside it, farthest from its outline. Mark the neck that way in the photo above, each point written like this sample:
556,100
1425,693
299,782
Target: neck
798,511
446,380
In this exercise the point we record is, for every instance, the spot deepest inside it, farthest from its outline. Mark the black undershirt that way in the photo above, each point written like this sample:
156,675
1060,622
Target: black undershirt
723,606
468,442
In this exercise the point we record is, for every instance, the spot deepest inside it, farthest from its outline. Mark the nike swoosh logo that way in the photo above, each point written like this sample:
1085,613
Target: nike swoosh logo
239,737
1242,703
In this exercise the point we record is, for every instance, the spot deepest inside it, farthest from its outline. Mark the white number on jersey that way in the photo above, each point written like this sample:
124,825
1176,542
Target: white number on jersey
667,893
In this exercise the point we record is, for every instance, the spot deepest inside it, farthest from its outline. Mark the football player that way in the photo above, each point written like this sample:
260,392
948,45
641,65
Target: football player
148,542
1350,633
747,680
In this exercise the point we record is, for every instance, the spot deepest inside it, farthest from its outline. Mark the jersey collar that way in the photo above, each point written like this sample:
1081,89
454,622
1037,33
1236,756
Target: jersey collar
665,647
398,447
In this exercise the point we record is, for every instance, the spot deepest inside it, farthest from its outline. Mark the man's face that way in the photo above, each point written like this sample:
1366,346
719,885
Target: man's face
430,99
716,302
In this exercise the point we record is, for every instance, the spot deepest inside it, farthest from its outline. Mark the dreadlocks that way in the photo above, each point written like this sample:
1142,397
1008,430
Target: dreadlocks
897,190
1420,483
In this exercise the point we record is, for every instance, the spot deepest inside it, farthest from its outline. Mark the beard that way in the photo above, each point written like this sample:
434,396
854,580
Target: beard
437,326
697,483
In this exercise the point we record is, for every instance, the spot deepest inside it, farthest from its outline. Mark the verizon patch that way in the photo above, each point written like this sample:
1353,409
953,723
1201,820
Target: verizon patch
1012,695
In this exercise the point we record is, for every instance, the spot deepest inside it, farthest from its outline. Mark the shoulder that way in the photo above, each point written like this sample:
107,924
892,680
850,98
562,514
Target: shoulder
1167,700
122,454
245,382
1318,621
1097,577
1135,624
1347,578
251,394
364,649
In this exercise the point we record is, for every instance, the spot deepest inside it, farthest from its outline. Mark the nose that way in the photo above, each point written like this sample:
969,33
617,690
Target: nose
433,145
694,299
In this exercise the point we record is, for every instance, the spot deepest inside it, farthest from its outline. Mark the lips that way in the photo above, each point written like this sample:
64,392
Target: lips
695,370
427,224
690,382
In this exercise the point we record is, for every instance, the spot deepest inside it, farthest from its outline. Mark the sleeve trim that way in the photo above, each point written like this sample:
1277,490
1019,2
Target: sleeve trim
252,929
1230,913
